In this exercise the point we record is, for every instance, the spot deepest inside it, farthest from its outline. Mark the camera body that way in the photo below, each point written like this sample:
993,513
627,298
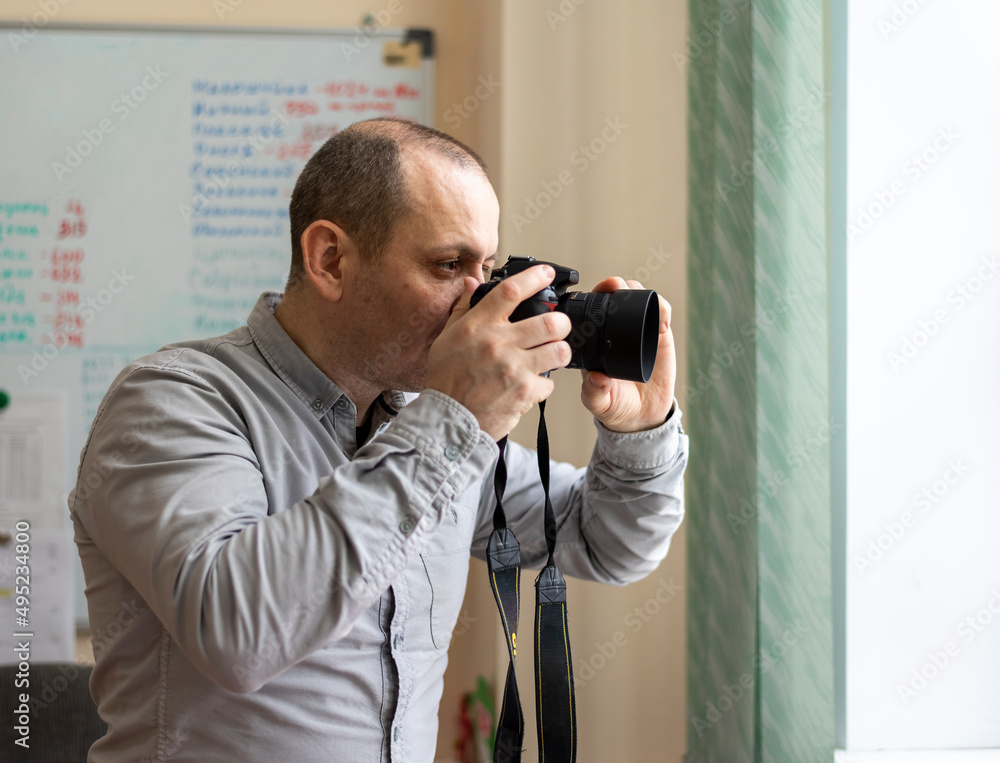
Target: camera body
615,333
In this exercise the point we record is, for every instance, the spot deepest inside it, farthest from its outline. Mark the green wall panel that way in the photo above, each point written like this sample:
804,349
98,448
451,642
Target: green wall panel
722,617
760,681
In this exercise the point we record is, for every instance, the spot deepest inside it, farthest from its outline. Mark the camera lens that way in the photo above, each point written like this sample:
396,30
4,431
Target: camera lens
614,333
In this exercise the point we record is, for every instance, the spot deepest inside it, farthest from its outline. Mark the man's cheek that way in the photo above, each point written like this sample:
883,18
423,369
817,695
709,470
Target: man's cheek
433,334
428,318
418,321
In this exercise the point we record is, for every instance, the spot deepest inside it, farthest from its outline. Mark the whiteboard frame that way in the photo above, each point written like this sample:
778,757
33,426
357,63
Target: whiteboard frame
384,33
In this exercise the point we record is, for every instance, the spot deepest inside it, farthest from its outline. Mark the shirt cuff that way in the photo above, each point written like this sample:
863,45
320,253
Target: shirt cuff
449,438
648,449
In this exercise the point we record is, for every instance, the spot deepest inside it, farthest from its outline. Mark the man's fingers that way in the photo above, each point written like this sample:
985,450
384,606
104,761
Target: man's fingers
665,311
542,388
610,284
598,379
614,283
462,306
511,292
549,356
539,329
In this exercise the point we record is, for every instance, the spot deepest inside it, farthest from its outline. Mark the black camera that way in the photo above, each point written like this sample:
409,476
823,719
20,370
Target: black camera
614,333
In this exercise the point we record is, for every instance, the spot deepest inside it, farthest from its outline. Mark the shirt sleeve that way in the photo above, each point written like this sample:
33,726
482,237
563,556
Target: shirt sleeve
615,517
171,492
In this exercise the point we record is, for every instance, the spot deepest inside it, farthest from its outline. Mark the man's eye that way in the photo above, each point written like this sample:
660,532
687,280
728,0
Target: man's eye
453,265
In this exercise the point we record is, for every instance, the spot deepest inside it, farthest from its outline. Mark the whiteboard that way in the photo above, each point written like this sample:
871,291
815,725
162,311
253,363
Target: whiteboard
145,182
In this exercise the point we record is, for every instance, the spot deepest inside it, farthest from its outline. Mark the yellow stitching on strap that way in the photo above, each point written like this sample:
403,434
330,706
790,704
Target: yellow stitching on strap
569,682
538,708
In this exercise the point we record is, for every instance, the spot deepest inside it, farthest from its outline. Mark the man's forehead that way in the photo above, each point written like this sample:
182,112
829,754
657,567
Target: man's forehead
422,162
439,158
439,183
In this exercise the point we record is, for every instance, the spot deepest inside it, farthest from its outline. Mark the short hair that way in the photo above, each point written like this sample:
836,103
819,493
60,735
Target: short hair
356,180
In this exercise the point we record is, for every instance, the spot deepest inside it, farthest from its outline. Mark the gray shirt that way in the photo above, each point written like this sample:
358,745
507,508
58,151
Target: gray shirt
262,589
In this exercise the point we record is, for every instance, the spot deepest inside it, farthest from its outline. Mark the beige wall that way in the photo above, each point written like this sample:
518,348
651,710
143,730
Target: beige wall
605,61
558,86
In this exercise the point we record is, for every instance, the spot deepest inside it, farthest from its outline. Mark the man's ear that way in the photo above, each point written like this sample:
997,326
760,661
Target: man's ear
327,253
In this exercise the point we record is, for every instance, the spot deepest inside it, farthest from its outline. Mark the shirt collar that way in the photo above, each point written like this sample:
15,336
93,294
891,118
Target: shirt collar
286,358
294,367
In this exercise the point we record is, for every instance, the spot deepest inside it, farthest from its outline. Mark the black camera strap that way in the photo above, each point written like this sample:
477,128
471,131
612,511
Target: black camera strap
555,703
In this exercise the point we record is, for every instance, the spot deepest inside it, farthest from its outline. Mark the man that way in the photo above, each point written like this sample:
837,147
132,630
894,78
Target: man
275,526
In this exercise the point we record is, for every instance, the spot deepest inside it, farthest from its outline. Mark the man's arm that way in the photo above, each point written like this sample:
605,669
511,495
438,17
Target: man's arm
171,491
615,517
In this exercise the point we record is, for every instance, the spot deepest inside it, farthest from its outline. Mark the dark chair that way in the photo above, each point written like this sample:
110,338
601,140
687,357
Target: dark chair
63,717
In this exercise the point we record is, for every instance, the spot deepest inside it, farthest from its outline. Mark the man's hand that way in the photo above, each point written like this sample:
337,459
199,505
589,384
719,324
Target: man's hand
492,366
626,406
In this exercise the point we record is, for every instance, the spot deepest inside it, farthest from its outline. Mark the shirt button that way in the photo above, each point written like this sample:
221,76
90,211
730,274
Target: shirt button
395,641
406,526
317,404
395,734
452,452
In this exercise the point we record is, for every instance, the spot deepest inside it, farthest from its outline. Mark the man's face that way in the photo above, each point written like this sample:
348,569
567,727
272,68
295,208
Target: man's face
403,301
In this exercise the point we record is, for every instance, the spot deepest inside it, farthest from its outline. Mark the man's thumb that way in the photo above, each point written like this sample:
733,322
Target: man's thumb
463,305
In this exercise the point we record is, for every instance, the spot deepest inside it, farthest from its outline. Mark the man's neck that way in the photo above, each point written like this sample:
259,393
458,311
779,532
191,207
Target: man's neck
328,355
